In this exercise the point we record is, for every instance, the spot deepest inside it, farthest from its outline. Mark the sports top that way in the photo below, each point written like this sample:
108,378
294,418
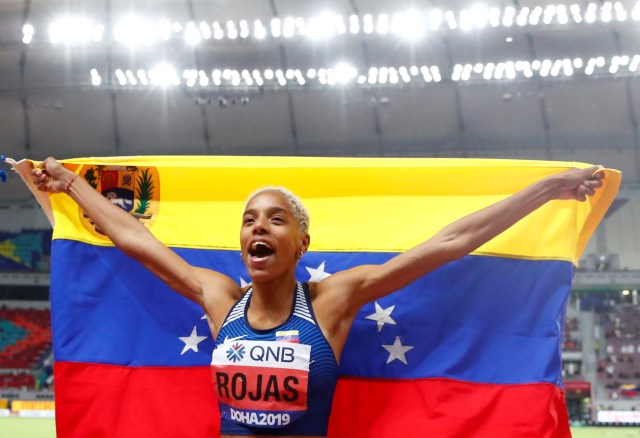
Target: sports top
278,381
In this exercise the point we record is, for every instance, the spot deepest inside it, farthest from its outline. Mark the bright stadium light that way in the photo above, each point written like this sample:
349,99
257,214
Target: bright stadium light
142,77
244,29
494,17
450,18
480,16
134,31
74,30
27,33
164,29
205,30
96,80
163,75
288,27
436,17
354,24
382,26
276,29
232,31
409,24
218,32
368,24
259,32
192,35
344,73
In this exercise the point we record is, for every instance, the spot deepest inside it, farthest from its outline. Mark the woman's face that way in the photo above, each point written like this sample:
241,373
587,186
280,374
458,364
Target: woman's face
269,238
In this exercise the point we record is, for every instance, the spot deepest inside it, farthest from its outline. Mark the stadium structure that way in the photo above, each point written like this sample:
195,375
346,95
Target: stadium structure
530,79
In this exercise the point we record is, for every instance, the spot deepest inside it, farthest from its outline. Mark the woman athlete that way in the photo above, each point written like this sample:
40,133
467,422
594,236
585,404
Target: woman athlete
292,334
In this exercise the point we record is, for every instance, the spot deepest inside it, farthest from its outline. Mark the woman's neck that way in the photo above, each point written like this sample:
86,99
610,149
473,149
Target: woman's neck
271,302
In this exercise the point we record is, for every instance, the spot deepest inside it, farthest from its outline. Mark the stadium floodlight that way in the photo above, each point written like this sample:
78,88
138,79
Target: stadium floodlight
561,11
205,30
409,24
301,26
192,35
244,29
259,32
435,73
203,79
457,72
621,13
368,23
164,29
276,27
131,79
354,24
218,32
344,73
163,75
142,77
534,16
590,15
232,31
435,19
480,16
288,27
268,74
523,17
134,31
95,77
73,30
120,76
450,18
383,24
324,25
466,72
494,17
635,12
635,62
339,25
488,71
508,16
27,33
311,73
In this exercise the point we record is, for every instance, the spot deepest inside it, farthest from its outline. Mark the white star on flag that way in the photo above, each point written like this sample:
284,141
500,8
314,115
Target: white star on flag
397,351
243,283
318,273
382,316
191,342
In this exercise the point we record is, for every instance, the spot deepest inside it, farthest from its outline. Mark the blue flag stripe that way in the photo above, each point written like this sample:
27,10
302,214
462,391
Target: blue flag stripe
479,319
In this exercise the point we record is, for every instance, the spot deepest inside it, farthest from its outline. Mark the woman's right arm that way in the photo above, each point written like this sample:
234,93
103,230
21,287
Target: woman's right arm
133,238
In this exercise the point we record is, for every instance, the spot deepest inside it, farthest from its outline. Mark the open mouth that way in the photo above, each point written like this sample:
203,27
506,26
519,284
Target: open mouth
260,250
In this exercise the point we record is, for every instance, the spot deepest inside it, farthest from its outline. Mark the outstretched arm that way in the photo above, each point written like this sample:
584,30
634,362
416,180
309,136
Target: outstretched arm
350,289
133,238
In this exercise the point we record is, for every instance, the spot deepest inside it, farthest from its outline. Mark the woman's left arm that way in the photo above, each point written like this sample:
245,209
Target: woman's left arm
355,287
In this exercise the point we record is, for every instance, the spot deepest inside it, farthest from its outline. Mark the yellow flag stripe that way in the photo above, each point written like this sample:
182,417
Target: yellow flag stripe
356,204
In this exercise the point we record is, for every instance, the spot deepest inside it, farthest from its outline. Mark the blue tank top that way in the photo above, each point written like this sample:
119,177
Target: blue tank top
278,381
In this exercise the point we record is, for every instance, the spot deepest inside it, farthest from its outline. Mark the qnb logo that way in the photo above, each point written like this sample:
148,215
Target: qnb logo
236,352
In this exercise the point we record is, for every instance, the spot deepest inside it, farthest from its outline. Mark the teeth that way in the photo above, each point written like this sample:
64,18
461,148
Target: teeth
256,244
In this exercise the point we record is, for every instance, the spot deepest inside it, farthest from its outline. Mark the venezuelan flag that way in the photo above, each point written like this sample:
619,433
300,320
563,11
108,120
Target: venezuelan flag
472,349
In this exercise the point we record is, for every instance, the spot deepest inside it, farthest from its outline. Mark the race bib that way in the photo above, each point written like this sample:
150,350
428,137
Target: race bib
261,383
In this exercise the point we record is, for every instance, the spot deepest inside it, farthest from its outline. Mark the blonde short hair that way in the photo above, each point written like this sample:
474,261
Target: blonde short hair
298,210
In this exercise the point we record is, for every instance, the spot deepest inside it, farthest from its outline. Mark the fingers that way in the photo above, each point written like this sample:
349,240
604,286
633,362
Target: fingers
596,172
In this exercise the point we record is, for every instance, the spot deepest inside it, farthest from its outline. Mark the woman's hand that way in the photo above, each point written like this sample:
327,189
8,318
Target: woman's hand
579,183
52,177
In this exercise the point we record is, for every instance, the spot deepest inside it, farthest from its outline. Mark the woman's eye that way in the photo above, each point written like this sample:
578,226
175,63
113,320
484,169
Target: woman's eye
277,219
247,220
